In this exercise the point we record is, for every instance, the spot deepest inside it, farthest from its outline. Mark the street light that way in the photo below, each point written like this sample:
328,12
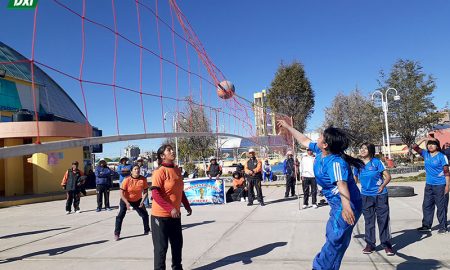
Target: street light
385,106
174,129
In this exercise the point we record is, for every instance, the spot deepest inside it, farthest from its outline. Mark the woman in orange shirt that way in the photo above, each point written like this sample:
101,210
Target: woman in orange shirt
131,191
238,191
167,194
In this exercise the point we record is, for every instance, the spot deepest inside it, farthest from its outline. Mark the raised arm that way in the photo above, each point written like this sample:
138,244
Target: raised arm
300,137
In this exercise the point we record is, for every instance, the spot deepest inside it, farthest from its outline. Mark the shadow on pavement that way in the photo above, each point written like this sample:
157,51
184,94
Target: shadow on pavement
414,263
245,257
282,200
187,226
132,236
51,252
31,232
405,238
103,210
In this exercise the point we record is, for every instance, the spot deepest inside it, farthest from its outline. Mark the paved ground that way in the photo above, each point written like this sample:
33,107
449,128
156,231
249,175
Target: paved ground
232,236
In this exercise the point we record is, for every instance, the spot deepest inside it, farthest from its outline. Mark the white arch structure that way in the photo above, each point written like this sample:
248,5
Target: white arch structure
29,149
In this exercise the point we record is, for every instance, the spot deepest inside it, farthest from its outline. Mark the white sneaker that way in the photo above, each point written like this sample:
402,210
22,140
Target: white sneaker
315,206
78,211
305,206
242,200
67,212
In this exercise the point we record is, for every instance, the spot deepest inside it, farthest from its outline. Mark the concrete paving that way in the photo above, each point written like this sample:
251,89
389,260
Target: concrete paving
232,236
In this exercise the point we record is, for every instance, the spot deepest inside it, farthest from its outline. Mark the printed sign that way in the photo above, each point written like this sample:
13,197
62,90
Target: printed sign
202,191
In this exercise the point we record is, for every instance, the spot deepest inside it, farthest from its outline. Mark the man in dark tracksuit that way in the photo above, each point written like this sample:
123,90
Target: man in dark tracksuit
72,184
253,170
214,169
289,171
103,184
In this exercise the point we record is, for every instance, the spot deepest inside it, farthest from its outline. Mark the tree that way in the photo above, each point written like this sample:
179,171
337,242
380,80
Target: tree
291,94
356,114
194,119
415,113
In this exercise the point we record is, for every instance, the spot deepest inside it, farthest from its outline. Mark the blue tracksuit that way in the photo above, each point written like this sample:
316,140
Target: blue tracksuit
328,170
375,204
435,189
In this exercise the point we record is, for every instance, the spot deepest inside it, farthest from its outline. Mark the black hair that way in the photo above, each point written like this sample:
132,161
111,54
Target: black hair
435,142
237,175
161,152
338,141
370,148
135,165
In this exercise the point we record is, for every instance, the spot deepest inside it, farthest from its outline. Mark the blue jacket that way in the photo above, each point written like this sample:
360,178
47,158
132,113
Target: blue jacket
102,176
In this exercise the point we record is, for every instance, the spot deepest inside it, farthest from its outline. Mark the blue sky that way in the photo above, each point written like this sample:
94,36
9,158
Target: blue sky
342,44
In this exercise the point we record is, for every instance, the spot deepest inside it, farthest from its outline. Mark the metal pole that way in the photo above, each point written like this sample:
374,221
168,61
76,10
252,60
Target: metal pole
175,121
385,109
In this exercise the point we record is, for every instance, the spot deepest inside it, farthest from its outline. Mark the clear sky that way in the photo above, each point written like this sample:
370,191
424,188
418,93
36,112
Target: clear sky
342,44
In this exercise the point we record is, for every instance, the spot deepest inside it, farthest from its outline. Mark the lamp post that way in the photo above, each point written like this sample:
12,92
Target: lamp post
174,129
385,107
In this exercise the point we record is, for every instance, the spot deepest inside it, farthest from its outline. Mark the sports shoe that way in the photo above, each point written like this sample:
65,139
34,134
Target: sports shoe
424,229
67,212
109,209
242,200
305,206
262,204
442,231
315,206
146,232
78,210
389,251
367,250
116,237
249,204
98,210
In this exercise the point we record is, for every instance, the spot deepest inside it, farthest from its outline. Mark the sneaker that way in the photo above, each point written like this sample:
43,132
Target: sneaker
67,212
109,209
116,237
442,231
305,206
249,204
367,250
424,229
98,210
262,204
78,210
146,232
389,251
315,206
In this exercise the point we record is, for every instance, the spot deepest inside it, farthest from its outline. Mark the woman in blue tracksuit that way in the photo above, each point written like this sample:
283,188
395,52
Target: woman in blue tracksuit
437,183
332,168
374,178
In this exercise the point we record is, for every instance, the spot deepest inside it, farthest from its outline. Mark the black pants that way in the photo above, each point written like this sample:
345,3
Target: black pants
254,183
165,230
309,183
102,191
142,212
290,185
376,207
435,196
73,196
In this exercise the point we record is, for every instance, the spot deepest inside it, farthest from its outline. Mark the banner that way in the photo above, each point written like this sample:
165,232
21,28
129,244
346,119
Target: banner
202,191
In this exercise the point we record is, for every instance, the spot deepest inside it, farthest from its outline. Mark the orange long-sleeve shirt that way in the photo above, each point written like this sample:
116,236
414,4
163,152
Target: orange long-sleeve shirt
238,182
66,175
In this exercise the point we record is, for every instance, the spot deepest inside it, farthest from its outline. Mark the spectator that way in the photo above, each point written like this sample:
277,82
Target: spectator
308,179
124,169
214,169
267,169
289,171
72,183
103,183
253,169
